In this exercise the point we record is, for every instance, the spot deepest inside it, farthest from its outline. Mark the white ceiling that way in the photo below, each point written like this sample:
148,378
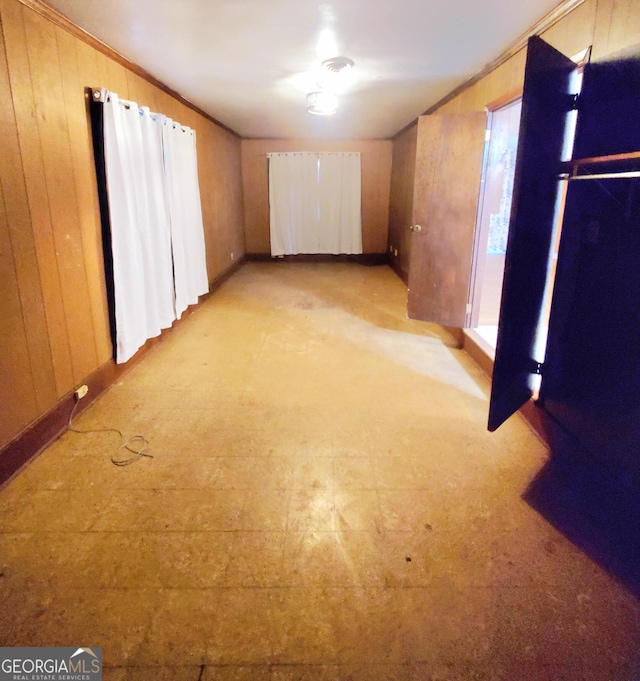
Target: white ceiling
249,63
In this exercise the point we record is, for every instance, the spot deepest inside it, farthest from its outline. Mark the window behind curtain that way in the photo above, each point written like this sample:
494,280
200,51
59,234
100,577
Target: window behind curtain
315,203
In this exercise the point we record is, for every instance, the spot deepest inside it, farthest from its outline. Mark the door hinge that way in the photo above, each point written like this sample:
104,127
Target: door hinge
535,367
487,134
468,310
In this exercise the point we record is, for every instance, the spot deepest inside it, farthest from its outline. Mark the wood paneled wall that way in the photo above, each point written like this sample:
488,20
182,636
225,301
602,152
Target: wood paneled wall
53,310
376,173
401,198
610,26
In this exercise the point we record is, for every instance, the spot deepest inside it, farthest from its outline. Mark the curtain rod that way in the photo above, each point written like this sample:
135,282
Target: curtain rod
271,153
102,94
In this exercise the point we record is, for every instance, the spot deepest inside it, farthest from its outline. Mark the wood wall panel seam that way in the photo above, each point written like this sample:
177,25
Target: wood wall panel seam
30,151
602,27
14,358
72,93
87,70
23,246
44,58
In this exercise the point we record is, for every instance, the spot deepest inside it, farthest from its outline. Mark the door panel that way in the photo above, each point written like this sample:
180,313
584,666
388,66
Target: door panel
445,204
546,100
593,354
592,365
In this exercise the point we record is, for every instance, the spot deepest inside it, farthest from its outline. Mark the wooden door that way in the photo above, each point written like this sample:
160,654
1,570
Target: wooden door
546,102
445,204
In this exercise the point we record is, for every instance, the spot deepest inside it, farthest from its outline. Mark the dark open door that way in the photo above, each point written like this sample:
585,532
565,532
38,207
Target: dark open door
591,382
546,100
592,367
445,204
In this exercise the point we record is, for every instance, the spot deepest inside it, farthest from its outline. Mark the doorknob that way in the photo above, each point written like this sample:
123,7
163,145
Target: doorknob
416,228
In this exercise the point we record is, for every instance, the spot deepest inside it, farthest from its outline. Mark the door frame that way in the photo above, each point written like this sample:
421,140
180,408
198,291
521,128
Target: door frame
481,234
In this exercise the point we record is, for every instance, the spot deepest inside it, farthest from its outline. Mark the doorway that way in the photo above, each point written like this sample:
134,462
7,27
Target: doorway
494,211
493,220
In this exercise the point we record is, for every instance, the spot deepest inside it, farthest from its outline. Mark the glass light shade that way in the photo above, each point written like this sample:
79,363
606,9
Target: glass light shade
322,103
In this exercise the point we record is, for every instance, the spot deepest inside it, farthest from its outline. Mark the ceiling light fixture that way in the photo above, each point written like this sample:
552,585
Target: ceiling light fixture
335,74
322,103
337,65
330,79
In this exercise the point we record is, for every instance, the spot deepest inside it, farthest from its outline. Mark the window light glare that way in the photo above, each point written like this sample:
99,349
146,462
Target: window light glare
322,103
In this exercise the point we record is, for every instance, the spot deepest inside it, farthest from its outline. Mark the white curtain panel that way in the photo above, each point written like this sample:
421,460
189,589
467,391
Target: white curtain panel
315,203
124,159
159,287
156,221
339,218
293,203
187,231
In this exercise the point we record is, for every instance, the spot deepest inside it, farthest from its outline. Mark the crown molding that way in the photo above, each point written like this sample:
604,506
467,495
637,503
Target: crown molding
553,17
65,23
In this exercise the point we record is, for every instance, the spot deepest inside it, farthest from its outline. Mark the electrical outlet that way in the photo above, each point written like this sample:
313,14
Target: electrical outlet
81,392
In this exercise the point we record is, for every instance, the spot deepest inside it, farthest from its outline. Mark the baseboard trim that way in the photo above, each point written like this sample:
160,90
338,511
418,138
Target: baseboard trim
478,350
370,259
51,425
395,266
456,333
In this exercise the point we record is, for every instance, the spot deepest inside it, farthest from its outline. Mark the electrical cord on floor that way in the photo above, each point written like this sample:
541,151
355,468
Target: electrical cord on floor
127,445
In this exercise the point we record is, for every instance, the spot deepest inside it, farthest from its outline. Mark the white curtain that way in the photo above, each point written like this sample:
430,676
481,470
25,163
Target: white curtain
340,227
293,201
155,219
315,203
187,231
158,261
